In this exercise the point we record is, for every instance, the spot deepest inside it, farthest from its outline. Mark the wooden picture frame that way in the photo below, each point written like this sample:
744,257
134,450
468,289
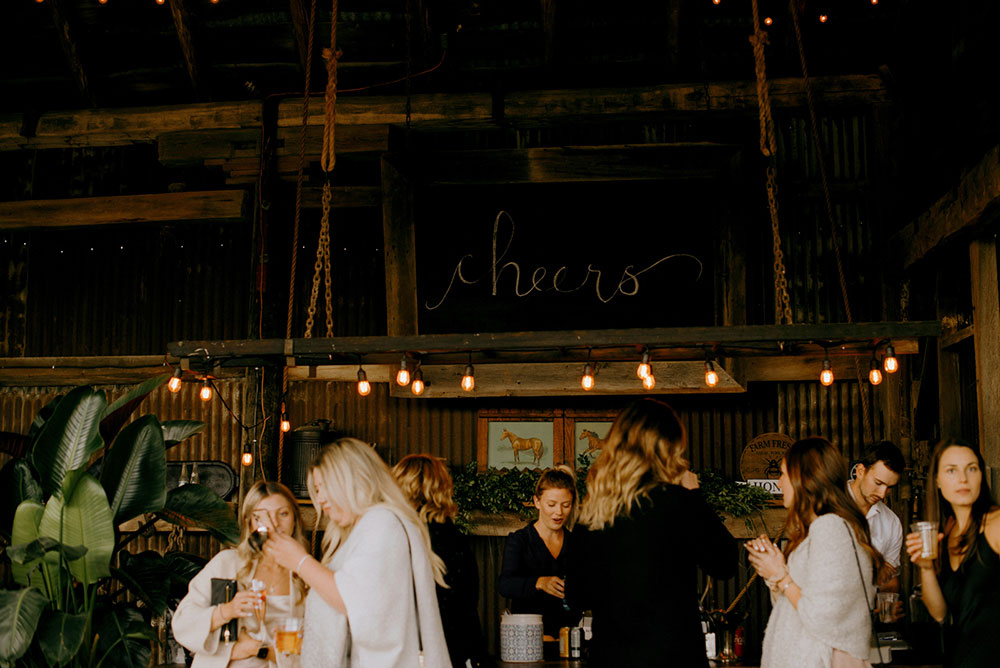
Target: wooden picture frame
576,443
513,438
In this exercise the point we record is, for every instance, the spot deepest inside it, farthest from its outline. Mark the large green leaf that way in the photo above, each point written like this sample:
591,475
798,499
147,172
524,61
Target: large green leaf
147,575
44,413
24,553
182,566
69,438
19,613
198,506
14,444
175,431
27,517
60,635
123,638
134,472
86,520
117,414
18,482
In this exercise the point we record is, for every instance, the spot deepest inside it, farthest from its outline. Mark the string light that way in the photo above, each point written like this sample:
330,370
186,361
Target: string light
206,390
768,20
874,373
644,369
715,2
174,384
102,2
417,386
364,387
826,375
160,2
469,379
247,458
823,18
649,382
587,382
890,364
711,375
403,375
286,426
874,2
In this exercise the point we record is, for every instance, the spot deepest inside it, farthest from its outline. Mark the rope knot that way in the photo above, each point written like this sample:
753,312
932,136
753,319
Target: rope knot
759,38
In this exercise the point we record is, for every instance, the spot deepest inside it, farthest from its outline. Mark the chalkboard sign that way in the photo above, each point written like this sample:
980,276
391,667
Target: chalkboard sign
565,256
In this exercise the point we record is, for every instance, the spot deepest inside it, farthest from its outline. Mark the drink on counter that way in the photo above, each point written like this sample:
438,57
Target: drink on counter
288,636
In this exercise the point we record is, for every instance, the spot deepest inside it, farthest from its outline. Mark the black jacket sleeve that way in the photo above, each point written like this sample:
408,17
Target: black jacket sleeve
516,580
716,551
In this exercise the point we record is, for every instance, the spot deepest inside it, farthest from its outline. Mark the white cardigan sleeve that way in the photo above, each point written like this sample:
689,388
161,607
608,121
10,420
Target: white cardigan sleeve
192,621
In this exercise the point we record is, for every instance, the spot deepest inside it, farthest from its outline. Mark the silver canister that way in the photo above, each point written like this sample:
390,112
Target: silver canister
575,642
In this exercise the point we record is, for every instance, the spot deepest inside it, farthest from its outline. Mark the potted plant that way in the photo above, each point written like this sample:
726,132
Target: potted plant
83,473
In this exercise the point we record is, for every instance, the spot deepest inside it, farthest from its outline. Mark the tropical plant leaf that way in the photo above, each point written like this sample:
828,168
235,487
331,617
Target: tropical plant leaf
86,520
36,549
18,483
60,635
69,438
19,613
123,638
182,566
14,444
175,431
117,414
70,481
147,576
25,530
195,505
42,416
134,472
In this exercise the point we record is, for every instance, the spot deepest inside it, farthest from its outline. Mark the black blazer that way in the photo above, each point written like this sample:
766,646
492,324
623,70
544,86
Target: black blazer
459,604
639,577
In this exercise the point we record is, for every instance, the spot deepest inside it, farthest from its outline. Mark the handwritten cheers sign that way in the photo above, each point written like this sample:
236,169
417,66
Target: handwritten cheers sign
509,261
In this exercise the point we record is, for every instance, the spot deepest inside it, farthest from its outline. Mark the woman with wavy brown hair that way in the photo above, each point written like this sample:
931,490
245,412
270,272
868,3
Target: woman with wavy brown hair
426,482
649,532
823,583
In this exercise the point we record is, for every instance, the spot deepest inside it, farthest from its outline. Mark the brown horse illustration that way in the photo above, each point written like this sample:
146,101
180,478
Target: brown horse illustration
596,442
518,444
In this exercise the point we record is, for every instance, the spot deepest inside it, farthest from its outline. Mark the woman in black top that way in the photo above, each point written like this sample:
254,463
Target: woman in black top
427,484
648,529
535,558
964,581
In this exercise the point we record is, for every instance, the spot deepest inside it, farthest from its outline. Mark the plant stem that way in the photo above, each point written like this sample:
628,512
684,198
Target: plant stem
135,534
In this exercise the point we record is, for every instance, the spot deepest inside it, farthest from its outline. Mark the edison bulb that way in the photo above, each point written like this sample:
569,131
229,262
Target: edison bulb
875,376
649,382
402,377
891,364
206,392
247,458
417,386
174,384
587,382
468,380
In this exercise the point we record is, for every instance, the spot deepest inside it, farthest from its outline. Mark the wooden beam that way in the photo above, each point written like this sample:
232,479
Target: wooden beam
67,32
974,202
117,127
986,321
214,205
399,241
807,368
183,26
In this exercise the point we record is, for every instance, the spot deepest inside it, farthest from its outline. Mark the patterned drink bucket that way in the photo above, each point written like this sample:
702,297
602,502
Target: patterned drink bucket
521,638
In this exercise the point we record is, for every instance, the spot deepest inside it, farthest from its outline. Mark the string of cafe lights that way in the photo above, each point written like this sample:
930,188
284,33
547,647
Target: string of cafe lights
822,16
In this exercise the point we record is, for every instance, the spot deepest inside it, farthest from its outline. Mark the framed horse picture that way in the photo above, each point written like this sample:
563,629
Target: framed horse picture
585,433
512,438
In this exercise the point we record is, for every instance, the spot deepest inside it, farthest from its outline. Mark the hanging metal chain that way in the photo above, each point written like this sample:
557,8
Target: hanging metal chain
176,538
768,147
904,302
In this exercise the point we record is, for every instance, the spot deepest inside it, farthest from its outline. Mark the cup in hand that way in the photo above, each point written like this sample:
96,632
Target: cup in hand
288,636
929,536
887,606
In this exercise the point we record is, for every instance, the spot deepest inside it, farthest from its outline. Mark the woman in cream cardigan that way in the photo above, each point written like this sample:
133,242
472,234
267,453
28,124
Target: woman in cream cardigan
823,594
198,625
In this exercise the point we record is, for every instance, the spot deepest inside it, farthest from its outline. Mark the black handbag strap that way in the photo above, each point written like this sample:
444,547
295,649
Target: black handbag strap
864,588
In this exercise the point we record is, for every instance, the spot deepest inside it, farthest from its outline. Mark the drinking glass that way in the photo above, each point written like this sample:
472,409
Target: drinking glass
887,606
259,587
288,636
929,536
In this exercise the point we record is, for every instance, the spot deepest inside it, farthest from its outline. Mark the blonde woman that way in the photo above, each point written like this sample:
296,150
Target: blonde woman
198,625
536,557
371,601
649,531
427,484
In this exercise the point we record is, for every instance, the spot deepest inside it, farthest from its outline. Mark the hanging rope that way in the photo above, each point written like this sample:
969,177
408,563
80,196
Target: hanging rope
768,147
299,184
328,159
828,208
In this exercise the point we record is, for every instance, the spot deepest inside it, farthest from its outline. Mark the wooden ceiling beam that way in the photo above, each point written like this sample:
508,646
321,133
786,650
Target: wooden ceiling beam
183,25
66,29
972,203
213,205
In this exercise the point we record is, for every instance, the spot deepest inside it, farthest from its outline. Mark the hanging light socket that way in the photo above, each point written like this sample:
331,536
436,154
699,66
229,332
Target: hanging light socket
205,394
469,379
711,375
874,372
890,363
403,375
826,375
364,387
644,368
417,386
174,384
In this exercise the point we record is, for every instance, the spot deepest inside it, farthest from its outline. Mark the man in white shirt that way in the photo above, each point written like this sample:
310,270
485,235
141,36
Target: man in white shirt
878,472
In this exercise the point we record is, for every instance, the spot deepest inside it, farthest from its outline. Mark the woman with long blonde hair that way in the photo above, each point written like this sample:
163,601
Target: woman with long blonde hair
199,625
823,582
649,530
426,482
371,601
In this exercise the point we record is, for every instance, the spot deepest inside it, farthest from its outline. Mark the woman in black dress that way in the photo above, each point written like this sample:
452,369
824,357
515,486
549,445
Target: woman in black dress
649,531
964,581
427,484
536,558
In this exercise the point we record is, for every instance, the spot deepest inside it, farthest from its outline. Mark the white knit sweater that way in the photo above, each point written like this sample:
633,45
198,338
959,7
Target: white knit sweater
833,610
